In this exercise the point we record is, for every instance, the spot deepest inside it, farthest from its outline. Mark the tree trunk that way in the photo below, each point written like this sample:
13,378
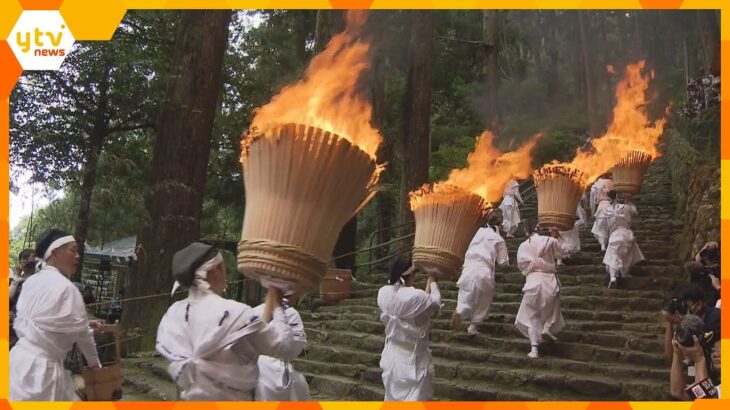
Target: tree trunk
329,23
490,69
552,47
417,109
174,194
302,30
87,188
88,181
385,202
710,37
588,70
536,36
638,44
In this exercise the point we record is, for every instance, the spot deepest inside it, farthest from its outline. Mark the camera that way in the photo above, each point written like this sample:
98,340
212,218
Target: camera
684,337
713,270
710,256
691,326
676,305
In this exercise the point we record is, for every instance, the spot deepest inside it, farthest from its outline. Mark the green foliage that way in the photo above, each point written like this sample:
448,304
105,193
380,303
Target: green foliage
557,144
702,132
681,157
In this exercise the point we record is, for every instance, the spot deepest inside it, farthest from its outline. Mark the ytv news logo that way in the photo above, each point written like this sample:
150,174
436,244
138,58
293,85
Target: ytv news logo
40,40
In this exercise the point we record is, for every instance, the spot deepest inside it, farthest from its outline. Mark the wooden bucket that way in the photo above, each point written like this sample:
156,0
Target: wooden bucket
302,185
335,285
104,383
446,221
559,189
628,174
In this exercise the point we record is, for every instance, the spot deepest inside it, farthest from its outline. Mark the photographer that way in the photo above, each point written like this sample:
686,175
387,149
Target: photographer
699,349
687,299
24,269
703,268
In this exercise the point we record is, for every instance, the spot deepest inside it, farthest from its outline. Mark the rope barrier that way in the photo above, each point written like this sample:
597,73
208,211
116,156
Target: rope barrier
149,296
120,341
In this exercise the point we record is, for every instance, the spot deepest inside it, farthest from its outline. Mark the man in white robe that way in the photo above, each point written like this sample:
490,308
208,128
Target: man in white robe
605,184
278,381
406,313
51,317
539,317
623,251
476,283
212,343
510,207
570,239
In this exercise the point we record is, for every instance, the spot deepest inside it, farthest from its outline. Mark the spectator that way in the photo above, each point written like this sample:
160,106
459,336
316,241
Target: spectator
688,298
24,268
700,350
700,270
18,275
88,295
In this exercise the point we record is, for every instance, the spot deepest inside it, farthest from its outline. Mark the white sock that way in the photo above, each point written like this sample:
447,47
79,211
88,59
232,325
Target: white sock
533,350
613,273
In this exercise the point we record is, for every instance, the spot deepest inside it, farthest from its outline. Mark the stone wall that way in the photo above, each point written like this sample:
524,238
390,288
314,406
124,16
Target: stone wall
696,188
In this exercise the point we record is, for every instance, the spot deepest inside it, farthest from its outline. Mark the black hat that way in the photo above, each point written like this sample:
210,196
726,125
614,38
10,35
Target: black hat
187,260
47,239
398,266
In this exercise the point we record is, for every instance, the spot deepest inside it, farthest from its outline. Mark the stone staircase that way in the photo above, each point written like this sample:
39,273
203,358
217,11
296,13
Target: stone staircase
611,348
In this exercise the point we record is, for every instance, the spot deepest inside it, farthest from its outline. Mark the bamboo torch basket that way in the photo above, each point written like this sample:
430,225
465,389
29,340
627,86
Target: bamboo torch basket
446,222
628,174
559,189
302,185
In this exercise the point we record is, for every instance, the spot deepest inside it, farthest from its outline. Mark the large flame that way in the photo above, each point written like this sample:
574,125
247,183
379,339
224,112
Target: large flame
630,129
329,96
487,173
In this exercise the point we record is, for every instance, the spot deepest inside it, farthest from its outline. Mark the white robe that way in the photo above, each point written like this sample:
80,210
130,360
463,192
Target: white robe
510,207
622,251
599,193
476,283
213,345
278,381
406,359
540,307
582,215
570,240
599,228
51,317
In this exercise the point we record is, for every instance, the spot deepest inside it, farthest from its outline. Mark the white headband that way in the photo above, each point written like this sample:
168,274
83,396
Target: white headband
57,244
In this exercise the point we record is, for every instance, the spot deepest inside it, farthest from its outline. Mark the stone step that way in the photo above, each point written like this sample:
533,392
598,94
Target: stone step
512,342
148,375
627,317
443,388
616,339
519,374
449,290
485,356
640,330
512,302
341,388
358,389
645,277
